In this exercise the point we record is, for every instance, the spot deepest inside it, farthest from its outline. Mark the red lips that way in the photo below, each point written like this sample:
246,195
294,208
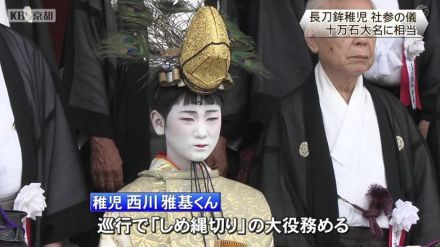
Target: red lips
201,145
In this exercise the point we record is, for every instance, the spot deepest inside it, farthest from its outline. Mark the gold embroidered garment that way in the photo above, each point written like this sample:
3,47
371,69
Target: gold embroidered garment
237,200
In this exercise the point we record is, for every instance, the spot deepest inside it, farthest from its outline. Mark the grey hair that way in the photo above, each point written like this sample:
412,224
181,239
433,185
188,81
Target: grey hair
318,4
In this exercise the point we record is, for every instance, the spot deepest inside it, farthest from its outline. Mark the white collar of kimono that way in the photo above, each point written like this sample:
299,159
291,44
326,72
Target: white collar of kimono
341,120
353,136
10,150
3,13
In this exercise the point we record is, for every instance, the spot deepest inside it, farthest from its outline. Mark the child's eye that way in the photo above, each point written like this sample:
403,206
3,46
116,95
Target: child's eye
212,118
186,119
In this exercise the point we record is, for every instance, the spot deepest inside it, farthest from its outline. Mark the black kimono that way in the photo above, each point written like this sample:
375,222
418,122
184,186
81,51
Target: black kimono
49,154
106,98
298,183
36,31
430,81
282,48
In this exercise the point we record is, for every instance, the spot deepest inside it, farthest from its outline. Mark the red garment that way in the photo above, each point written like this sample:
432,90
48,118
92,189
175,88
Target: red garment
28,231
57,29
163,155
405,96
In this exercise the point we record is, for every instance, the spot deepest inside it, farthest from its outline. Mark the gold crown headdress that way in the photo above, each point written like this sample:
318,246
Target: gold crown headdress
192,46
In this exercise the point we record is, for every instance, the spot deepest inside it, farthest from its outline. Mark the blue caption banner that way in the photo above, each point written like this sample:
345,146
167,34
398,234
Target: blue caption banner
155,202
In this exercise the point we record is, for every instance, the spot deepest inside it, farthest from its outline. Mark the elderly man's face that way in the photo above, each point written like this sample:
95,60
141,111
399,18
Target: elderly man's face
345,56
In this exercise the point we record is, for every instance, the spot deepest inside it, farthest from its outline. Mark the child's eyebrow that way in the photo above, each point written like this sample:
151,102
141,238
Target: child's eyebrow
194,112
190,112
211,111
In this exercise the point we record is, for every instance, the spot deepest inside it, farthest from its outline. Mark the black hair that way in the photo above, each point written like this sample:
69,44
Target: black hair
162,98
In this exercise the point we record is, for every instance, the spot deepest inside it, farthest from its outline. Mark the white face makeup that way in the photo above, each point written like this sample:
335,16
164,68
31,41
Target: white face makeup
191,132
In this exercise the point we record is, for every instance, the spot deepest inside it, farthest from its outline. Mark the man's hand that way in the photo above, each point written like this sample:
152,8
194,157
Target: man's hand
424,127
105,164
218,159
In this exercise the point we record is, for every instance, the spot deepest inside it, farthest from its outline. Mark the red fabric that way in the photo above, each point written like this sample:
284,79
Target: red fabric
390,237
405,96
57,29
246,158
28,230
163,155
402,238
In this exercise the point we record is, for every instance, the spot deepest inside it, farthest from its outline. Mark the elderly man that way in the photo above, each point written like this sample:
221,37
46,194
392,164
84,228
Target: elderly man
337,135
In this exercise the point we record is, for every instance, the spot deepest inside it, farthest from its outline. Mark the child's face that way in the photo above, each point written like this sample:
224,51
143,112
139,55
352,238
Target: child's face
192,131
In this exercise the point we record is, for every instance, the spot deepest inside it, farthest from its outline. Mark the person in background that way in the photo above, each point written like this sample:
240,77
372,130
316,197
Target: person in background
274,25
430,83
37,145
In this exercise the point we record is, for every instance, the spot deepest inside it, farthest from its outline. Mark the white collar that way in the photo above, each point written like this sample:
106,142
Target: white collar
353,136
327,91
337,113
4,14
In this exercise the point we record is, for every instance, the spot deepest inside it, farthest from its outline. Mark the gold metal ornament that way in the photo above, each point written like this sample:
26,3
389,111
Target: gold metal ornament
205,57
202,45
228,243
163,78
400,143
304,149
176,74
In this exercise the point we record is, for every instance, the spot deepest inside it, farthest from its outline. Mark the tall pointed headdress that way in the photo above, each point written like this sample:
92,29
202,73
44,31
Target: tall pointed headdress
206,56
191,46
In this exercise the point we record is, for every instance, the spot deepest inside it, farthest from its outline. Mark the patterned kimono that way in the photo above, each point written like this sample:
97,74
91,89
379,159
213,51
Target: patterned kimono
237,200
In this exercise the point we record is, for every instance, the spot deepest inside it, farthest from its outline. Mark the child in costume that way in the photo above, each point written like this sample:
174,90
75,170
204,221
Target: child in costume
186,109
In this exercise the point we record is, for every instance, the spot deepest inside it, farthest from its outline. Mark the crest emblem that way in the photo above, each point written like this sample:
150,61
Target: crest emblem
304,149
400,143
